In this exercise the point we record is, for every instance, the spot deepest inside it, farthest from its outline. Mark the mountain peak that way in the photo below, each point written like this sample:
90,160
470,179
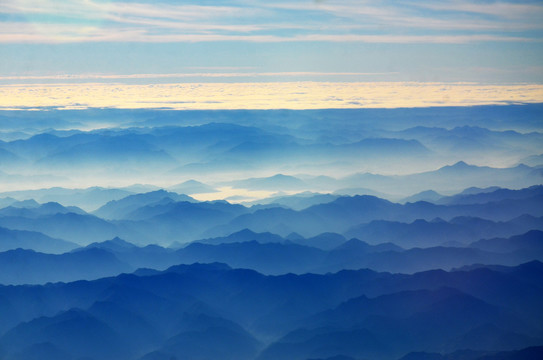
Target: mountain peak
114,244
458,166
461,164
476,190
354,245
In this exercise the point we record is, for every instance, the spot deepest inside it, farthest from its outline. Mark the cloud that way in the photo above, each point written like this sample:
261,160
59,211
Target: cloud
414,14
421,21
66,33
88,9
187,75
277,95
83,77
414,39
498,8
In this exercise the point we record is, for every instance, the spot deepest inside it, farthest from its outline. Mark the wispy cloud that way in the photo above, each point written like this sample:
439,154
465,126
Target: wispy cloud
413,39
187,75
500,9
56,33
454,15
66,21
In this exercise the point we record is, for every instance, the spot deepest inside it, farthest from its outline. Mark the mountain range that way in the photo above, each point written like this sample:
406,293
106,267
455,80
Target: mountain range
355,147
185,310
266,253
333,234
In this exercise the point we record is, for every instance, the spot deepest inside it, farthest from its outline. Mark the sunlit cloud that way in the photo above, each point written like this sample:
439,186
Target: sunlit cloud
277,95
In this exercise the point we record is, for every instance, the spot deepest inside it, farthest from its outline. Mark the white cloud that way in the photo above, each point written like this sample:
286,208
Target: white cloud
410,15
499,9
92,9
68,33
413,39
58,21
277,95
188,75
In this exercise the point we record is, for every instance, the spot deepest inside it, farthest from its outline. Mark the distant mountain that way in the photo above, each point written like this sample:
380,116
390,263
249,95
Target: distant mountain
311,141
319,255
271,254
427,195
533,160
264,143
420,233
156,217
30,267
324,241
392,259
30,203
353,191
492,194
190,187
475,142
90,150
88,199
161,223
529,243
339,215
116,245
450,178
317,219
11,202
269,258
6,201
50,208
297,201
199,212
119,209
150,256
243,236
276,150
475,190
459,230
80,229
30,240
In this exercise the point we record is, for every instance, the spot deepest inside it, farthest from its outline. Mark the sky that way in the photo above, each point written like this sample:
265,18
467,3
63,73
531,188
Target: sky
129,43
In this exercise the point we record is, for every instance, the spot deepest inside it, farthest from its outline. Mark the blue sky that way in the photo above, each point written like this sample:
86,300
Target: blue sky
236,41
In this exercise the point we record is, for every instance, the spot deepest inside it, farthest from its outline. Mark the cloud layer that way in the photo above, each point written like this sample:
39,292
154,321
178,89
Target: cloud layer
277,95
